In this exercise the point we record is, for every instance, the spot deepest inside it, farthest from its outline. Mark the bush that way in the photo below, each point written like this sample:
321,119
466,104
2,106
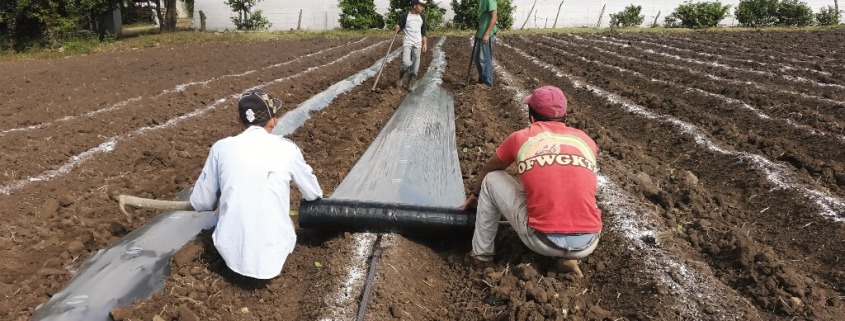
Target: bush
757,13
432,11
827,16
630,17
359,14
246,19
466,14
697,15
794,13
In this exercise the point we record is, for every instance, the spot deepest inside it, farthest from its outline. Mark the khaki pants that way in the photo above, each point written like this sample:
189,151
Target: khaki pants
501,195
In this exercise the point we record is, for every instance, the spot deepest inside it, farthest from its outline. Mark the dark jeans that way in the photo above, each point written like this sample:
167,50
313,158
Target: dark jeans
483,56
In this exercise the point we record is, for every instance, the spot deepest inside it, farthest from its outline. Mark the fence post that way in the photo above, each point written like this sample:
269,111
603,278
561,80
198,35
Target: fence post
299,21
202,21
601,14
529,15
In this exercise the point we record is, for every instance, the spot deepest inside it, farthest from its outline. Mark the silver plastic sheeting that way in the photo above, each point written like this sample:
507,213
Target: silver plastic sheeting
134,267
414,160
292,120
130,269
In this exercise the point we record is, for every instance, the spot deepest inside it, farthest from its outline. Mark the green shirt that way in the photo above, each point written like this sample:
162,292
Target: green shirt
485,8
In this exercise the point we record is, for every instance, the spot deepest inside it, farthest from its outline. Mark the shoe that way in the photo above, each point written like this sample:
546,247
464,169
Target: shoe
411,81
478,260
401,80
569,266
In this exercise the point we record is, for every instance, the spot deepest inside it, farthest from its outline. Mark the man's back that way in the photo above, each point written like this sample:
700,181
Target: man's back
252,171
557,166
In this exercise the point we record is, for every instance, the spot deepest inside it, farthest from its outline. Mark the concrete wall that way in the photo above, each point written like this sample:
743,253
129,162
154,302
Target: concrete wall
323,14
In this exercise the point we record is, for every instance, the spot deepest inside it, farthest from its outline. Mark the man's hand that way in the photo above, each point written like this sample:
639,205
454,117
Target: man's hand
395,28
471,202
424,47
486,38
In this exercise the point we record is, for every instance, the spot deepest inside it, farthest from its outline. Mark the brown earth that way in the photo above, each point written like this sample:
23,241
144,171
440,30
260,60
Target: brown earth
692,231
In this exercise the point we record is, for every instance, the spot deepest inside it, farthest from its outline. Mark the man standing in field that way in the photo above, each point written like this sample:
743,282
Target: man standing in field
414,26
249,176
554,209
485,35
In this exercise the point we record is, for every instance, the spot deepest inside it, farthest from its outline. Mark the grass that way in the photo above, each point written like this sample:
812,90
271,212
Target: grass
147,35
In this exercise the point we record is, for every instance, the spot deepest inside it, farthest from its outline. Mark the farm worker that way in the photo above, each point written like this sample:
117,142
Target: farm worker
251,173
414,26
553,206
485,35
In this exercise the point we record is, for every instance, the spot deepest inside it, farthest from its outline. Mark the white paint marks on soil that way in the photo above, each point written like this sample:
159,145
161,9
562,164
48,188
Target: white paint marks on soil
718,56
794,79
780,176
175,89
698,292
760,114
111,142
745,49
725,80
343,303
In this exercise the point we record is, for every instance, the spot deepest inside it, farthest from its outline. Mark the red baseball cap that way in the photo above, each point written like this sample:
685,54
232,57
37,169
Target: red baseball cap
547,101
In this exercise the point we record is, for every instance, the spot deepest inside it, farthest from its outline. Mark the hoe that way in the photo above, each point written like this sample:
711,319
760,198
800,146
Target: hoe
351,215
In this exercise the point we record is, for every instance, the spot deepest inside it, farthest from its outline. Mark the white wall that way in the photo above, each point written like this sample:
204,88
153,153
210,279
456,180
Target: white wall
323,14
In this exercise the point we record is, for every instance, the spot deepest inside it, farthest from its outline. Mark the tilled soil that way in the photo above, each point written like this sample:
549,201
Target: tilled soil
721,177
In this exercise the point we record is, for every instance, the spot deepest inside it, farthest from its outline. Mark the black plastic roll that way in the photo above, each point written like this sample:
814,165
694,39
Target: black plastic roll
360,216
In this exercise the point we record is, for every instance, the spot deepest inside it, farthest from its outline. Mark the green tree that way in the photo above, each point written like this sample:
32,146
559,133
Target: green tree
794,13
827,16
33,23
466,13
359,14
630,17
432,11
697,15
756,13
246,19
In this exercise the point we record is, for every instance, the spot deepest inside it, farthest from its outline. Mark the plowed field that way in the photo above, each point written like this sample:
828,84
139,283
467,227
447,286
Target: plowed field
722,180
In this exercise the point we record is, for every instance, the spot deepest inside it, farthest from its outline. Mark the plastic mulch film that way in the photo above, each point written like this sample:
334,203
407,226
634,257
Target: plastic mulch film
292,120
134,267
414,159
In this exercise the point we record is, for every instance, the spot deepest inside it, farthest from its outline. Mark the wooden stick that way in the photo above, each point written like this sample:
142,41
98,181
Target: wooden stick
383,62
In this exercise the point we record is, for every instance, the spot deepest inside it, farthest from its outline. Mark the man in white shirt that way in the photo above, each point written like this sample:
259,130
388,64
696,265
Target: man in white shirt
413,23
251,173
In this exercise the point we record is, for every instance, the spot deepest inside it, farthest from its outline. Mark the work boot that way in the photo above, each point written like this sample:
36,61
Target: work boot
411,80
401,80
479,261
569,266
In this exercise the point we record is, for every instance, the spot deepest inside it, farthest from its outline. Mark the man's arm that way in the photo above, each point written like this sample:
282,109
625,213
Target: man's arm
205,194
400,23
423,30
493,164
305,179
494,18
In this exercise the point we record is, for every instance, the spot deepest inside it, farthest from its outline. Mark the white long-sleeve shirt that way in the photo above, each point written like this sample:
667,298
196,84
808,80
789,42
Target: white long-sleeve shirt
252,171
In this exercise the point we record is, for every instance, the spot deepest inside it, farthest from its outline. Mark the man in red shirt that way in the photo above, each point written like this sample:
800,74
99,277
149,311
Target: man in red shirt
554,209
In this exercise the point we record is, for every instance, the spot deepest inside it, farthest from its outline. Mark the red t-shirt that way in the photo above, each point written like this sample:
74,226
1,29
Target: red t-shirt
557,166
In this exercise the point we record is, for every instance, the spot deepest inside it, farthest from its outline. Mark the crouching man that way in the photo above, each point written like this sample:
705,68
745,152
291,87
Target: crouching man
251,173
553,205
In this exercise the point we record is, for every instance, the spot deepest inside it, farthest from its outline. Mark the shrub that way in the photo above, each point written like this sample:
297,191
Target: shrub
756,13
466,14
359,14
794,13
697,15
630,17
827,16
432,11
246,19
